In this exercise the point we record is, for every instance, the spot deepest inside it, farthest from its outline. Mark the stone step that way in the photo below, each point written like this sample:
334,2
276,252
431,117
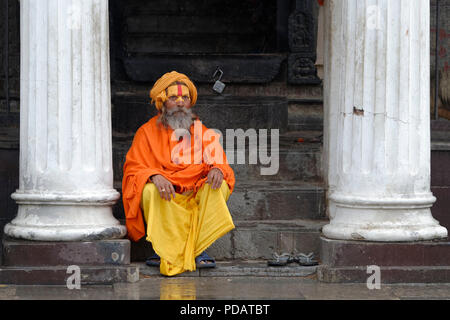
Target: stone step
268,200
23,253
253,240
299,158
397,262
391,254
238,268
261,239
288,165
305,114
59,275
219,112
277,200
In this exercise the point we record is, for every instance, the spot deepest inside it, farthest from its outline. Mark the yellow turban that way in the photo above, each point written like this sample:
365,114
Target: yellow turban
158,92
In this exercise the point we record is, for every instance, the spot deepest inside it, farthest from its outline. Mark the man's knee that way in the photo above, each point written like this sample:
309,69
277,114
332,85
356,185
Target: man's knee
149,190
225,190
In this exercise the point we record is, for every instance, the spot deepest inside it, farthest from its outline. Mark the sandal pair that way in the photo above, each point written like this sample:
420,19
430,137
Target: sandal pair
286,258
280,260
154,261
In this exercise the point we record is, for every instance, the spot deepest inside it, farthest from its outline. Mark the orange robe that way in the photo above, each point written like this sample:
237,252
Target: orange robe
151,153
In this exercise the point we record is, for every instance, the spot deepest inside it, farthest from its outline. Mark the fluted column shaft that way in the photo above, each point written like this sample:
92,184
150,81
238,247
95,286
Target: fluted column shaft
377,137
66,179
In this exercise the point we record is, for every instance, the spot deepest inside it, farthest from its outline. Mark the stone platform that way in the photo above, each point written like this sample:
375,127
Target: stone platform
46,263
238,268
399,262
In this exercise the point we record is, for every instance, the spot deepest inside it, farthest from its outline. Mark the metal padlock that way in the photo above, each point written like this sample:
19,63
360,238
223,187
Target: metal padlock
219,86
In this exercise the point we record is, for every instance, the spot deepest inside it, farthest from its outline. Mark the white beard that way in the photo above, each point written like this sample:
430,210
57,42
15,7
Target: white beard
178,120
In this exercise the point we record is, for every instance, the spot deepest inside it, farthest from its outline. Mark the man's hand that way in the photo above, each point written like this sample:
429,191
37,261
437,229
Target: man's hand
215,178
164,187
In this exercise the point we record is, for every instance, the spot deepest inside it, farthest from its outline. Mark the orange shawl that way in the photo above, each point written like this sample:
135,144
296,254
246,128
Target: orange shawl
150,154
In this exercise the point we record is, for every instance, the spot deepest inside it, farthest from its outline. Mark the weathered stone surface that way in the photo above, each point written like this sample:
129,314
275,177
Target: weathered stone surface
57,275
222,248
277,201
293,164
260,240
256,269
251,268
254,243
40,253
305,242
267,200
358,274
440,176
201,67
215,112
440,182
255,240
302,69
440,209
305,115
340,253
277,88
301,162
226,26
415,262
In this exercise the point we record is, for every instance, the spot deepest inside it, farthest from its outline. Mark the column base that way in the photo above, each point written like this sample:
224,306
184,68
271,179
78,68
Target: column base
384,233
382,219
400,262
46,263
65,233
77,219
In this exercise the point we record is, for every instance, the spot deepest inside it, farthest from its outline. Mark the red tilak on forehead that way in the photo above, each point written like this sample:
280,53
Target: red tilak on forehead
180,91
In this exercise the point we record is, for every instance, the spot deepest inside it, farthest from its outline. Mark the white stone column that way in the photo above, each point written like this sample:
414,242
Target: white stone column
377,106
66,179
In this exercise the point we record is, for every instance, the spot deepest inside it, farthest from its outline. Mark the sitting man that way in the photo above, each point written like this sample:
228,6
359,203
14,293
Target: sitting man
183,203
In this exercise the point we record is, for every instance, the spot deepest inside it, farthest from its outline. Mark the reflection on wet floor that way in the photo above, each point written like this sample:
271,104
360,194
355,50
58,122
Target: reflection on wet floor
178,289
228,288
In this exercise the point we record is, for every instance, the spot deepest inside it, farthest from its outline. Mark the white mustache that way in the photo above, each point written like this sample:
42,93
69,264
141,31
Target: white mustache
179,109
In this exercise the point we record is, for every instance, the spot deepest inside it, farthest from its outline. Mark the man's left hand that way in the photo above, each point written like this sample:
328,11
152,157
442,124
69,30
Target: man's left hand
215,178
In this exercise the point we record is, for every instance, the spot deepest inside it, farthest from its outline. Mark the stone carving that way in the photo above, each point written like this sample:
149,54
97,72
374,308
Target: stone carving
301,32
301,68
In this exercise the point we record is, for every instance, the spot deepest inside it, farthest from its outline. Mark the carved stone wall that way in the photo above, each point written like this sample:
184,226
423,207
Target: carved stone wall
302,44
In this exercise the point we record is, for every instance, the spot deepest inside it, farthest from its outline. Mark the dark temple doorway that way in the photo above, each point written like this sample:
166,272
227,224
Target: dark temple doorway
266,50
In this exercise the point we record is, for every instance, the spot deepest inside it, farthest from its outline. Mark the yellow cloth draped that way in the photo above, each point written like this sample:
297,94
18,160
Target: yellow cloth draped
184,227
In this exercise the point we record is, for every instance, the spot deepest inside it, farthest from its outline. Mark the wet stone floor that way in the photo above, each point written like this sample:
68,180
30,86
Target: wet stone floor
228,288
